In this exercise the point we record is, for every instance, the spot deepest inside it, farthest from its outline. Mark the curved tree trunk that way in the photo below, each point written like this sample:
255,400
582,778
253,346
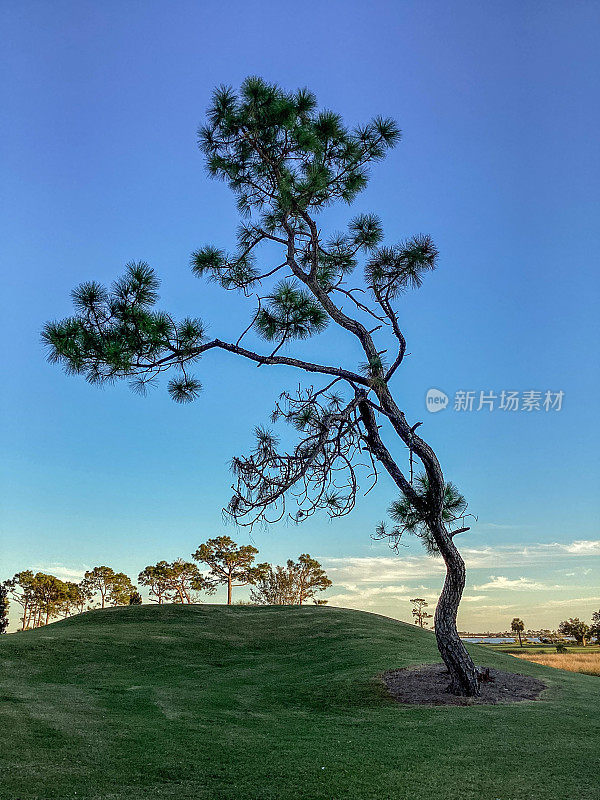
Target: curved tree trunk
463,674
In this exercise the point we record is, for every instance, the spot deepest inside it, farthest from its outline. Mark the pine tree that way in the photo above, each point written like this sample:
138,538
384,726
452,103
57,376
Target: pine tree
4,606
293,584
42,597
156,577
419,613
230,564
114,588
175,582
286,161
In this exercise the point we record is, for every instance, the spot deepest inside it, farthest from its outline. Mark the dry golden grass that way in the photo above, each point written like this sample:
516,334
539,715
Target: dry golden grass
588,663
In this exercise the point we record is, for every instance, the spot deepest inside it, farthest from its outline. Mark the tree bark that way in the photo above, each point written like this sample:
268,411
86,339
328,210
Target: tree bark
229,580
463,674
26,616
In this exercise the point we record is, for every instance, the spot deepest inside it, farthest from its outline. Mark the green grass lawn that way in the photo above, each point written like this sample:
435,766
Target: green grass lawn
247,703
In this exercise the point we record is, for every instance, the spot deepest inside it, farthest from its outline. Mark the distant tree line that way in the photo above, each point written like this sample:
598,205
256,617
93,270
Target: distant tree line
579,630
44,598
572,627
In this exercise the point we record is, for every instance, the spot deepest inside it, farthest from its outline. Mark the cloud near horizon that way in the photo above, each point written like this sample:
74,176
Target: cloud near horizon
379,569
501,582
379,583
61,571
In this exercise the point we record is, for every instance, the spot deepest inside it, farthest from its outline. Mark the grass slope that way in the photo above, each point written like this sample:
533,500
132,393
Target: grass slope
250,703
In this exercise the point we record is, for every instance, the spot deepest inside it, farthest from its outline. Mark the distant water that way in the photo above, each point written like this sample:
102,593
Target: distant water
494,640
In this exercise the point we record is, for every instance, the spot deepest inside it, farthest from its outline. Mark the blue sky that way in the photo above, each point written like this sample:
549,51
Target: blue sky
499,163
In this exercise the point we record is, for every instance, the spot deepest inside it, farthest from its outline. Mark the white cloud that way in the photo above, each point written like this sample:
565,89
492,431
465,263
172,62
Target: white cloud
61,571
360,596
515,555
571,601
501,582
583,547
375,591
381,569
400,568
499,526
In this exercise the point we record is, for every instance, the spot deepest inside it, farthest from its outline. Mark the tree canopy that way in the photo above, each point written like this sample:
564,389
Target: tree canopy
595,626
230,564
576,628
518,626
114,588
293,584
419,612
174,582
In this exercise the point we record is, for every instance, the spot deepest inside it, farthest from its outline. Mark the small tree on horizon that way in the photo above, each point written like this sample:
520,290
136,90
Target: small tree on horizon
286,161
82,595
420,615
230,564
518,626
120,590
74,599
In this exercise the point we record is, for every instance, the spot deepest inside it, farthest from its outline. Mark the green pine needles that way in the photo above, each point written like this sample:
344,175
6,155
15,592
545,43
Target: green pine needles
411,516
291,313
116,334
277,151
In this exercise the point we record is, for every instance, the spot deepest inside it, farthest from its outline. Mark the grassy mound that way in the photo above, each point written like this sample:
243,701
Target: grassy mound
210,702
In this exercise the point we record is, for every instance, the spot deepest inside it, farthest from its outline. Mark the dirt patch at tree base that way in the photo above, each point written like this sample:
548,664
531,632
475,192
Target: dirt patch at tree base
428,685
